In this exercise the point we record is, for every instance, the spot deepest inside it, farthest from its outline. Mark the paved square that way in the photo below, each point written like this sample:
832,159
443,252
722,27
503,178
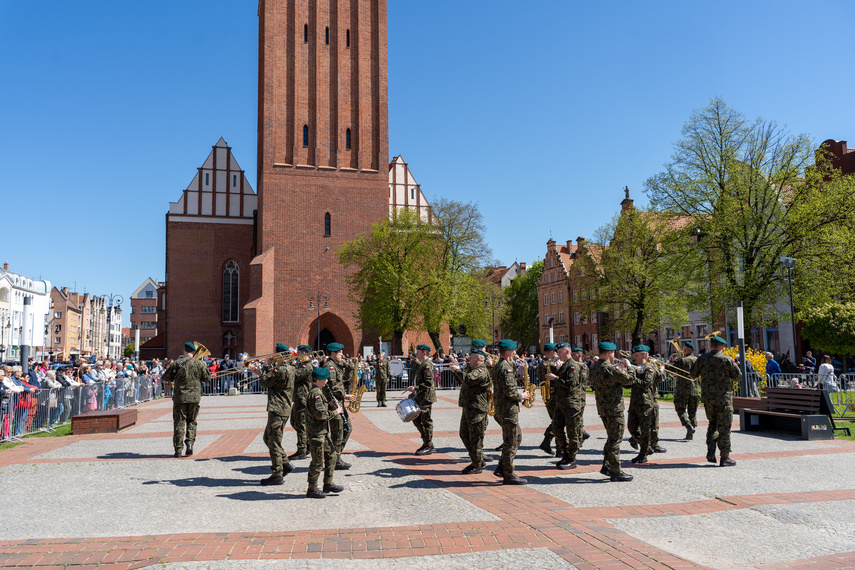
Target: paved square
121,500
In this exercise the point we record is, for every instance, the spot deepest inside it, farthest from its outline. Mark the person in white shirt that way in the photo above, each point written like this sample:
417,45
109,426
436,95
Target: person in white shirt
825,375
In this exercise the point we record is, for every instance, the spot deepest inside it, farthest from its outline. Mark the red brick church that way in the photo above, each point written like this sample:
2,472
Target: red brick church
244,270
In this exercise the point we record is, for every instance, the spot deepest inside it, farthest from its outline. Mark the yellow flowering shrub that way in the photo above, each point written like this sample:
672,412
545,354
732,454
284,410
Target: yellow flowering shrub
757,359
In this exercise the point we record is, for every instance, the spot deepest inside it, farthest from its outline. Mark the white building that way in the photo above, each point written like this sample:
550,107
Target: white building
14,328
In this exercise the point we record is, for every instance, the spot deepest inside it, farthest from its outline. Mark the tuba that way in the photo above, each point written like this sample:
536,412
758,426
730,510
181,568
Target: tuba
201,352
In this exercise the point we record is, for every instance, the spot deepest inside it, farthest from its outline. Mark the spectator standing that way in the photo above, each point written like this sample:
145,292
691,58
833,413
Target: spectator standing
54,398
8,390
773,370
809,361
90,394
26,399
826,378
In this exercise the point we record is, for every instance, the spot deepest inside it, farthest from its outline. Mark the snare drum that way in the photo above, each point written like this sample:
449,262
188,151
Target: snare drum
408,410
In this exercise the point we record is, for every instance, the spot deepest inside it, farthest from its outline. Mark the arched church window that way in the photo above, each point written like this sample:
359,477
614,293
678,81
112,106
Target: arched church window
327,36
347,139
327,224
231,276
305,135
306,33
348,38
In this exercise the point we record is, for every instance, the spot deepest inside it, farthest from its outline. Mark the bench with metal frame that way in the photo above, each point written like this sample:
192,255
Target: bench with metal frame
805,411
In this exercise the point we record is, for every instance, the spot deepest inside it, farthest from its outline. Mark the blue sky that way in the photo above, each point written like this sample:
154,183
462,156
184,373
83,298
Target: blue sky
542,112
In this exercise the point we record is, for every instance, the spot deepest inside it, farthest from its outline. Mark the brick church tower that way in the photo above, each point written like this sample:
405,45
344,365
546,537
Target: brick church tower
323,165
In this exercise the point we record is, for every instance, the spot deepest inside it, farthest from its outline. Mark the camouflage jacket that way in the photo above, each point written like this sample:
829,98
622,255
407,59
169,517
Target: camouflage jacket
474,388
279,381
718,372
422,379
609,381
643,390
337,379
506,396
187,375
583,374
382,371
318,412
302,383
683,366
569,390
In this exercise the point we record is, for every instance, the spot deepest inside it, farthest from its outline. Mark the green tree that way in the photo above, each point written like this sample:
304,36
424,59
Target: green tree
128,351
395,265
633,260
520,320
747,189
831,327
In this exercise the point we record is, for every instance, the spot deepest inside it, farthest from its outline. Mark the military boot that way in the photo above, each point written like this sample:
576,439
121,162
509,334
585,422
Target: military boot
690,432
604,470
332,488
189,450
633,443
711,452
273,480
585,435
546,445
501,447
726,461
471,469
340,465
316,494
499,472
287,468
640,458
620,476
658,449
298,455
513,480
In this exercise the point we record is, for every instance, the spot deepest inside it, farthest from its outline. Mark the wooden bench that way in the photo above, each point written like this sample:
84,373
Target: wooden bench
110,421
804,411
740,402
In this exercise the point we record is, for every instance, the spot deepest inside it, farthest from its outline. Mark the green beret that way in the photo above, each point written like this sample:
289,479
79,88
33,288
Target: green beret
549,346
335,347
641,348
689,344
476,351
423,347
507,344
282,348
561,345
607,346
321,373
576,349
719,340
478,343
189,347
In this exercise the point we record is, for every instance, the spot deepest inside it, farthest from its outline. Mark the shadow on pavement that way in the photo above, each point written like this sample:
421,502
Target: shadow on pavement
260,496
129,455
204,482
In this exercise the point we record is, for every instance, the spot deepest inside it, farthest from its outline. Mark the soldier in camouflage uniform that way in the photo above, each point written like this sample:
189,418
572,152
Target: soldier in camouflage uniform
569,406
424,394
381,377
474,400
506,403
577,354
338,370
641,403
609,381
546,366
302,385
187,375
686,389
320,411
279,381
717,372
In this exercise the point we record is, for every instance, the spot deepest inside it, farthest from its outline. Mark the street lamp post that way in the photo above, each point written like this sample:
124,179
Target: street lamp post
492,303
789,264
315,300
110,300
5,329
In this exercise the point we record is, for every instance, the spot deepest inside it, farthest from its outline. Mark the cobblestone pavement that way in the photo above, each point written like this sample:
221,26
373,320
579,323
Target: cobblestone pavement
122,500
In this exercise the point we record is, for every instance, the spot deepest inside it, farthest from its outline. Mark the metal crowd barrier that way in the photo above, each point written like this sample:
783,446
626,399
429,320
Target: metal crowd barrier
24,414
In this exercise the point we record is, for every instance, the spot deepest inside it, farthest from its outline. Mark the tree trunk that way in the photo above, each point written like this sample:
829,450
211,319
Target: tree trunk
437,343
397,343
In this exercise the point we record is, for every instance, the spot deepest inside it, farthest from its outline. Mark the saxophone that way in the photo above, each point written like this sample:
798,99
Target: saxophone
528,387
546,385
357,391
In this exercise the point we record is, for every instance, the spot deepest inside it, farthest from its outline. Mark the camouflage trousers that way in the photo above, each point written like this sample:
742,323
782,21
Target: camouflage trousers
339,436
473,425
323,459
550,409
184,415
686,404
568,427
424,423
654,425
614,435
298,422
273,440
720,417
639,422
511,439
380,385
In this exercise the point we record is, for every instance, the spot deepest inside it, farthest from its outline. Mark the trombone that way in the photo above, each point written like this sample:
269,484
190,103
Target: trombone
276,357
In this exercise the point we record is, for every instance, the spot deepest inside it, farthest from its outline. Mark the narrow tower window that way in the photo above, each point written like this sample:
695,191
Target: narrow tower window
306,33
230,292
347,139
207,178
348,38
327,36
305,135
327,224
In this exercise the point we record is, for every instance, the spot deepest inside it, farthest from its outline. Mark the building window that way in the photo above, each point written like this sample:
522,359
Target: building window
58,340
561,317
545,299
305,33
594,317
230,292
575,296
234,180
347,139
148,309
552,298
594,340
327,224
551,263
148,325
577,317
412,193
327,36
58,328
305,135
207,178
149,294
560,297
57,315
